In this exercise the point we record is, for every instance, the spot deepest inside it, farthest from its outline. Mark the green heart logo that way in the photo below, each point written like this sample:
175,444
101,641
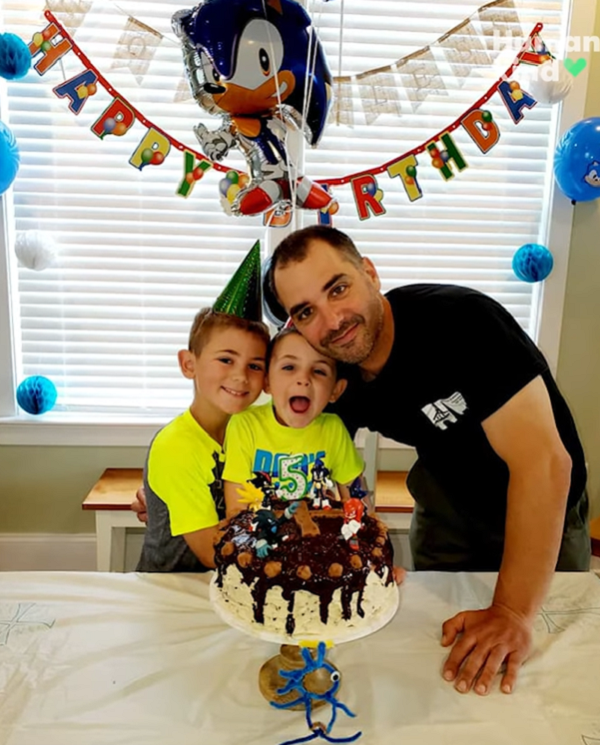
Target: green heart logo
575,66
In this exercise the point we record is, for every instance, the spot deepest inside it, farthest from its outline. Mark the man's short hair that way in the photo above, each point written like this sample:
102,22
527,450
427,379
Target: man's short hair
207,320
294,249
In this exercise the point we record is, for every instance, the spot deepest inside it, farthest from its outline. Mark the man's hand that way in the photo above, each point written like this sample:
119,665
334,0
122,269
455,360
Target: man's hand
484,640
139,505
399,574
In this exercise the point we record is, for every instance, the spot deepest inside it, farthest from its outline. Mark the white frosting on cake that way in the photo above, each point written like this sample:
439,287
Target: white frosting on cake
235,604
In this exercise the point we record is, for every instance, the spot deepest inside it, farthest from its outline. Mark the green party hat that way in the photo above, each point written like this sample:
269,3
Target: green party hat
242,296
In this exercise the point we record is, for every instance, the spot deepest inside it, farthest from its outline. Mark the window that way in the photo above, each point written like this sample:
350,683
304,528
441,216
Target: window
136,260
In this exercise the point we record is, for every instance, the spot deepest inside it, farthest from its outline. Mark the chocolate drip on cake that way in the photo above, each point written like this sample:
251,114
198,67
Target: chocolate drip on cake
319,564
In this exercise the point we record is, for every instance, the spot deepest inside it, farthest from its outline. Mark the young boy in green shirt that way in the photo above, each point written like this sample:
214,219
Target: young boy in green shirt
225,358
182,478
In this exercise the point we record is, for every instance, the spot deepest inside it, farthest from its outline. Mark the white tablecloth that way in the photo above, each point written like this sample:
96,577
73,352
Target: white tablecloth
89,659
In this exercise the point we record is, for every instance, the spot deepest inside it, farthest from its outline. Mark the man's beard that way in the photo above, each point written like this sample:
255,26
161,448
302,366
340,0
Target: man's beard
363,343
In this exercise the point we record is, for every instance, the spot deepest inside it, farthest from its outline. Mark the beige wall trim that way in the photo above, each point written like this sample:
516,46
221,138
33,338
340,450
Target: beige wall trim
559,207
57,430
34,552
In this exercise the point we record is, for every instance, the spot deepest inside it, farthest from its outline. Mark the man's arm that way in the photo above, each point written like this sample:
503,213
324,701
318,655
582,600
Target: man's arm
139,505
202,543
523,433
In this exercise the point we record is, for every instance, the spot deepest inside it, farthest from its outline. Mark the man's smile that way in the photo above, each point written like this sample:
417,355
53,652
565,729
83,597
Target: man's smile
346,336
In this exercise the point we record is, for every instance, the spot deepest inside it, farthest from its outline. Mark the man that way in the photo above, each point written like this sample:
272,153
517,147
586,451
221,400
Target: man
499,483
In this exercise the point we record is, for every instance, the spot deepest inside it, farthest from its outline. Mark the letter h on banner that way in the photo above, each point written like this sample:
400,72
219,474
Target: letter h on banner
42,42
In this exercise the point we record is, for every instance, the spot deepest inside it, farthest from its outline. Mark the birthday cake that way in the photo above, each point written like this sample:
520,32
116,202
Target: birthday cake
327,573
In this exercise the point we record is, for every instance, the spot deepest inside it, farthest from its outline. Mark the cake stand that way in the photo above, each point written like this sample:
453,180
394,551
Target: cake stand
290,656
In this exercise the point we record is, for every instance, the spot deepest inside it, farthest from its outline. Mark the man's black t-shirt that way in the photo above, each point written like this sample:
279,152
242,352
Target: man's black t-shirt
458,356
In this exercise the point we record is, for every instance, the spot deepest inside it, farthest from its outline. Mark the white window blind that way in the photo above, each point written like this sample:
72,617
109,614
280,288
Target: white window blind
136,261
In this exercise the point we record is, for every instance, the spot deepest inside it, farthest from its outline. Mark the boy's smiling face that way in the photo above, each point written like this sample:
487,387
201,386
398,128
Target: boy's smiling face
229,372
301,380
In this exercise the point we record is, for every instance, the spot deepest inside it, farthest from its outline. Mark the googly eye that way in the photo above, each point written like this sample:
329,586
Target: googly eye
335,676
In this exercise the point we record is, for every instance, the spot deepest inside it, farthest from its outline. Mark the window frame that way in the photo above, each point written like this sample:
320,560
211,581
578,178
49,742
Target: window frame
63,429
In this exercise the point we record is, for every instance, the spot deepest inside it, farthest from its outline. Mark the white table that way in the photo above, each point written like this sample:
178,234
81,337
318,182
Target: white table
99,659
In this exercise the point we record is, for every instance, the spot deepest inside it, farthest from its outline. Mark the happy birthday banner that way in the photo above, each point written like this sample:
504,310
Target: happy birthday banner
51,44
441,148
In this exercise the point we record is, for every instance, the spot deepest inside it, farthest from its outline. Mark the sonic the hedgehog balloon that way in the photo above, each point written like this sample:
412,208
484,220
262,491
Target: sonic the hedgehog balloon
260,65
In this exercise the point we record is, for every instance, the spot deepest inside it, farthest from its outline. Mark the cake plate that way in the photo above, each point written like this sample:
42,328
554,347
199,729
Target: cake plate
290,654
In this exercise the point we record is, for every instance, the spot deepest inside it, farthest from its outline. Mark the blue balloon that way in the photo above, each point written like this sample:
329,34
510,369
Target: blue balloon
9,157
577,161
224,185
532,262
36,394
371,188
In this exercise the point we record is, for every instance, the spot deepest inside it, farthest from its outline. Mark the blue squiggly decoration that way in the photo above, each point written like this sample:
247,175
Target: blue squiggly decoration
295,683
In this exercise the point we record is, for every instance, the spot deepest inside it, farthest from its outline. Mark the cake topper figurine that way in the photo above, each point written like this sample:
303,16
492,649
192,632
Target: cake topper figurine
321,483
251,495
259,492
297,682
262,480
266,528
356,489
353,514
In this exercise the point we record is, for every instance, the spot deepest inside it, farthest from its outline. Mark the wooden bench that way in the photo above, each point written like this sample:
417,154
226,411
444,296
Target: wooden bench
111,498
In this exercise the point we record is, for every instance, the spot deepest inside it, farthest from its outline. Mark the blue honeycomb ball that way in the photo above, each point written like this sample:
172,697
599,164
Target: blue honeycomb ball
9,157
532,262
36,394
15,57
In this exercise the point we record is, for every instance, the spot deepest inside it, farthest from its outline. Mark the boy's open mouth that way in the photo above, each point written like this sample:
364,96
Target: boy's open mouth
299,404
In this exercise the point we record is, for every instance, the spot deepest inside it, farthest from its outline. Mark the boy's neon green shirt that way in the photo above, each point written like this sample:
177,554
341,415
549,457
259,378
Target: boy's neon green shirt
255,441
183,471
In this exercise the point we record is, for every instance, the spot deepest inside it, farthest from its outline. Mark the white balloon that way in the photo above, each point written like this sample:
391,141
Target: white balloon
550,82
35,250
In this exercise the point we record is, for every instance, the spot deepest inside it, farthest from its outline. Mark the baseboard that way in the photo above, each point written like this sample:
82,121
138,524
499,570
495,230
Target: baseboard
35,552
